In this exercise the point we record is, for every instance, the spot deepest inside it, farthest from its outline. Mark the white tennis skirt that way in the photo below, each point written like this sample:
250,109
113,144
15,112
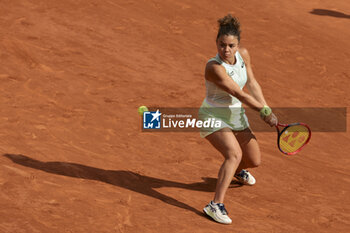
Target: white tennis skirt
232,117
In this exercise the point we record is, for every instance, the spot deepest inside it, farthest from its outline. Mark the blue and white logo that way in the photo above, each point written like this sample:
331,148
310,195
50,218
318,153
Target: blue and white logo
151,120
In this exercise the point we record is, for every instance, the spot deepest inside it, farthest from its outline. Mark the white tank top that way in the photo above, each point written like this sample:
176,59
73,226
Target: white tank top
217,97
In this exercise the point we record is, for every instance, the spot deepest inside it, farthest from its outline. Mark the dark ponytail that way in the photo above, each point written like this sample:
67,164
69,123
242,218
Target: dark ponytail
229,25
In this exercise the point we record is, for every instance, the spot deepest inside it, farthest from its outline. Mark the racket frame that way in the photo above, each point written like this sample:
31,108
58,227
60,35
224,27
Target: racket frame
286,126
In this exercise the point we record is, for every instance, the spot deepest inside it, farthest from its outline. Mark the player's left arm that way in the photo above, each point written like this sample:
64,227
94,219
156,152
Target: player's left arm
252,85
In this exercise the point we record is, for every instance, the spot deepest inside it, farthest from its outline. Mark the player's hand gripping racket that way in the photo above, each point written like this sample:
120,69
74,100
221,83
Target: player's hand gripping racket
293,137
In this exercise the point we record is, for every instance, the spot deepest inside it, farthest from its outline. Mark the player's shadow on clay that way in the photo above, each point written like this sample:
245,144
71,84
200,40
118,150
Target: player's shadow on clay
126,179
332,13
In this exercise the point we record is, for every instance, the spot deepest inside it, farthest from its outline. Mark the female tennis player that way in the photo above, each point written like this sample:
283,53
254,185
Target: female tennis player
225,76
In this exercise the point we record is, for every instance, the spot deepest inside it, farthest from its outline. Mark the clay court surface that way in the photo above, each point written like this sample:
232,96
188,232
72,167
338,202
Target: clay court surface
72,154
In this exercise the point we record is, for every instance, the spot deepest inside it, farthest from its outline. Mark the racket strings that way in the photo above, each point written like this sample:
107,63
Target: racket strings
293,138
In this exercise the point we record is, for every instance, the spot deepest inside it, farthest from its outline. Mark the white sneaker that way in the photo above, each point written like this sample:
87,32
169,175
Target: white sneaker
217,212
244,177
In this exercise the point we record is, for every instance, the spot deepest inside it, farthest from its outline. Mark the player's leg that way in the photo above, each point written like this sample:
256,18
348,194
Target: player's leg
251,156
226,143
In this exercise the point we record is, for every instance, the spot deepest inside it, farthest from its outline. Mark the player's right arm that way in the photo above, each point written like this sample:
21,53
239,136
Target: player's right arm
217,74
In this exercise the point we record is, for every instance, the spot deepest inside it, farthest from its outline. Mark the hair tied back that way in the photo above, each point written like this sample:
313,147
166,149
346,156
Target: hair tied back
229,25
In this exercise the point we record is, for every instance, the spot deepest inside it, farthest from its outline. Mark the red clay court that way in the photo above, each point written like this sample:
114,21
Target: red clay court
74,158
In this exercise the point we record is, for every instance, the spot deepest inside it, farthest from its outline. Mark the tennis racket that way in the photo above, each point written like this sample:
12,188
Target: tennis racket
293,137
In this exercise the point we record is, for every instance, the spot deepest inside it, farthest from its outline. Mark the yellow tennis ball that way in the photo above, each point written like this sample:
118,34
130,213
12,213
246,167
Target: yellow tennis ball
142,109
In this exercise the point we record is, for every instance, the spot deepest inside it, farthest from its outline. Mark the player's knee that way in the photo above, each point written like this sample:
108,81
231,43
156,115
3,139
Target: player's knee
255,163
234,155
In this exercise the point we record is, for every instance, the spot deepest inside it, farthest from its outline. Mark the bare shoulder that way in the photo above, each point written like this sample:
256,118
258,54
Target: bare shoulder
245,54
213,66
213,70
